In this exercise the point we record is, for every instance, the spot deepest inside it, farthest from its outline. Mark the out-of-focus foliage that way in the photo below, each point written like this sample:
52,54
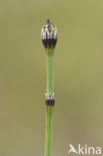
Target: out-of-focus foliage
78,75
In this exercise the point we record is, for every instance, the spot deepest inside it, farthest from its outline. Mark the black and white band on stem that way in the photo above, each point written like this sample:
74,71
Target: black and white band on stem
49,99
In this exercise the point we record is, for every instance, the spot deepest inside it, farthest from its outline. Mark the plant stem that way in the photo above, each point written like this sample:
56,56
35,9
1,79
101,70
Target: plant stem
50,72
49,113
49,118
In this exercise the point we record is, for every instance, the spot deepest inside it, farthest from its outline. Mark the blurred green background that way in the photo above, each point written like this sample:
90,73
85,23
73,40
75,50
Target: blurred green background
78,114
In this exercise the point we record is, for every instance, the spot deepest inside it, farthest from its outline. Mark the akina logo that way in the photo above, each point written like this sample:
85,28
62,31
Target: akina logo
84,150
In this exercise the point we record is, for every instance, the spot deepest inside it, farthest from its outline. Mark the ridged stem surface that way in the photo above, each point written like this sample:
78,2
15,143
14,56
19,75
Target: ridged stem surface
49,118
50,72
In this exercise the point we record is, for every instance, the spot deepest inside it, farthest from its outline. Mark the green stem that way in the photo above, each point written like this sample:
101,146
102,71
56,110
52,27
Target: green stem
49,118
50,72
49,113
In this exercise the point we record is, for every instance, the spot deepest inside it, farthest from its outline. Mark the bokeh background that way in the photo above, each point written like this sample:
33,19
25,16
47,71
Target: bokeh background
78,114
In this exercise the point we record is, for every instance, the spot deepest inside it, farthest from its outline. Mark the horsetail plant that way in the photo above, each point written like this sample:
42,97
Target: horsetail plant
49,39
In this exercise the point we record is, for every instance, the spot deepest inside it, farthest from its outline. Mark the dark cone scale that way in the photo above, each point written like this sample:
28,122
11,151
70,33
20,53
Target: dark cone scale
49,43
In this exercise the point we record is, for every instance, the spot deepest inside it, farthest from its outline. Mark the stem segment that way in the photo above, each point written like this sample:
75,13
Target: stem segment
49,118
50,72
